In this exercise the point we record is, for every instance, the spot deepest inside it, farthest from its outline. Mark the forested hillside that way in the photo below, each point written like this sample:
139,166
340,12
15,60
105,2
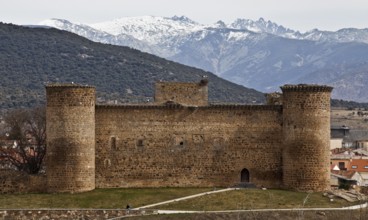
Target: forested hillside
31,57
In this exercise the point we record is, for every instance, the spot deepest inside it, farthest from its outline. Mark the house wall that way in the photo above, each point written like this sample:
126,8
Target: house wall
364,178
358,178
334,181
152,146
362,144
345,161
360,164
335,143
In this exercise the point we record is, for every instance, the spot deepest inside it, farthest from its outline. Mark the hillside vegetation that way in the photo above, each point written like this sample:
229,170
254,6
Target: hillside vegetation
31,57
257,54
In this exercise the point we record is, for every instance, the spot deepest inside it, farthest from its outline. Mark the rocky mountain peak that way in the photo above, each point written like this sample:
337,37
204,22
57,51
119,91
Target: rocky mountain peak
256,53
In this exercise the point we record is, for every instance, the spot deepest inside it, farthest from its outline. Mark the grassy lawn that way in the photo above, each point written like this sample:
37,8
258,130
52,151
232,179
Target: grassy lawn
119,198
255,199
99,198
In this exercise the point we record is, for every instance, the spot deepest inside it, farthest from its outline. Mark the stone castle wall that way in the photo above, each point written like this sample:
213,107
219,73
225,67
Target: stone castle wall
180,140
195,94
155,146
70,129
306,128
12,181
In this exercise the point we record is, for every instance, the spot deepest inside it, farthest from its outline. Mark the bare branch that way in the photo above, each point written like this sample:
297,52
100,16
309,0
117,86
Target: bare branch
28,129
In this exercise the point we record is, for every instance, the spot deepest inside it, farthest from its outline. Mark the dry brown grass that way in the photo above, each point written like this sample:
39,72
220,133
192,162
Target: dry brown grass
349,118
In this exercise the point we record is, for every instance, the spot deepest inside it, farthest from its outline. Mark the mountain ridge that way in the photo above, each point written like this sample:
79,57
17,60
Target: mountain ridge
257,54
31,57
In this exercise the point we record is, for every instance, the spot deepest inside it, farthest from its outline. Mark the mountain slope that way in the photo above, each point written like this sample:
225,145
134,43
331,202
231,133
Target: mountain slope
258,54
265,61
100,36
31,57
341,36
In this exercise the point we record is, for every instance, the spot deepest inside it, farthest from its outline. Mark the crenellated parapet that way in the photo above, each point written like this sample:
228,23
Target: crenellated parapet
70,95
306,88
194,94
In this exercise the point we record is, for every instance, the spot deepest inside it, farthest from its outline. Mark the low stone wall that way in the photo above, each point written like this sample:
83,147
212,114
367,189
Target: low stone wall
364,190
34,214
116,213
12,181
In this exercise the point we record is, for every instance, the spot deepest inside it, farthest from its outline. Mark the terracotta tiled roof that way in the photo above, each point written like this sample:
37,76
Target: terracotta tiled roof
348,174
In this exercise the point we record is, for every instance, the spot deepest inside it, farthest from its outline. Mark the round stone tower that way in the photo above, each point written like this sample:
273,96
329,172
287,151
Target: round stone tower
70,130
306,135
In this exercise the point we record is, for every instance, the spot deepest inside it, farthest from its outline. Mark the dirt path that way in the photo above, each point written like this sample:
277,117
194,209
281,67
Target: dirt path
185,198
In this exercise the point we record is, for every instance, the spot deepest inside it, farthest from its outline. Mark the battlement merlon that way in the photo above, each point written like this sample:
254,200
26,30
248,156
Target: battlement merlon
306,88
188,94
67,85
70,94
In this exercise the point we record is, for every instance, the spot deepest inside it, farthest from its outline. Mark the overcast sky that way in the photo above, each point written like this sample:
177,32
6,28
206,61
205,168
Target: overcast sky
300,15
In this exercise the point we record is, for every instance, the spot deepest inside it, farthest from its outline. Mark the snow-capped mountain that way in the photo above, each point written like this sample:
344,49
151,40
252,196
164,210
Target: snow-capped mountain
263,26
165,33
100,36
258,54
342,35
150,29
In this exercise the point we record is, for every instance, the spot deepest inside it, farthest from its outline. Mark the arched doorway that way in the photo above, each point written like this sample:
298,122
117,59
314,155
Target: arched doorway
244,176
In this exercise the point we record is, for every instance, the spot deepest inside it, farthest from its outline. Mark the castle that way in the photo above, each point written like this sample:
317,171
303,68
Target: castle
181,140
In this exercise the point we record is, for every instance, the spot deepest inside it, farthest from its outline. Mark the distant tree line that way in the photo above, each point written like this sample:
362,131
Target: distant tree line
338,103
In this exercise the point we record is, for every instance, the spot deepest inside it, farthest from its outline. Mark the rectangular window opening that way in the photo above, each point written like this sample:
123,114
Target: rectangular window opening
140,143
342,165
113,143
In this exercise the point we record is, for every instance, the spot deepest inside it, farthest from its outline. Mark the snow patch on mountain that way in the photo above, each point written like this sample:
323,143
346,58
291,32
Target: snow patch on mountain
237,36
263,26
151,29
259,54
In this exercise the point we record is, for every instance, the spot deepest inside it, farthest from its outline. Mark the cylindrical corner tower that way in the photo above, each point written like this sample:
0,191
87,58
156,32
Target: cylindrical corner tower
306,133
70,130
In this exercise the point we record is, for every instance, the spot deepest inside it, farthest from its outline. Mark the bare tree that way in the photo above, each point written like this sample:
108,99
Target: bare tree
24,146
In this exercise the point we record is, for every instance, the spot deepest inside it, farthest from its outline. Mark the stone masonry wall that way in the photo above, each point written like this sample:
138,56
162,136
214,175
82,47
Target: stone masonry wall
306,127
155,146
67,214
13,181
70,131
195,94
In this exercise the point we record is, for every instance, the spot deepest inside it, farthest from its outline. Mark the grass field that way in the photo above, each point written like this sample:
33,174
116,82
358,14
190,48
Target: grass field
99,198
119,198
